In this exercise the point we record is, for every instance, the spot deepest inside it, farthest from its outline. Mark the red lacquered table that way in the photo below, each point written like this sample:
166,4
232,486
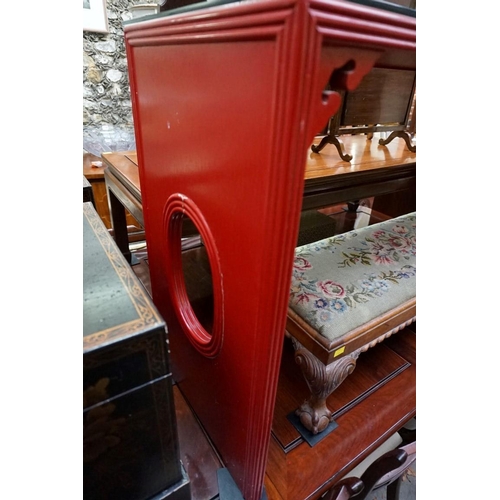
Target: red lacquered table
227,100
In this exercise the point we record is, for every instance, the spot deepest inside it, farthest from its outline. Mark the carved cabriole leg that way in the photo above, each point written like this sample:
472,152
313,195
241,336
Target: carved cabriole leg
322,380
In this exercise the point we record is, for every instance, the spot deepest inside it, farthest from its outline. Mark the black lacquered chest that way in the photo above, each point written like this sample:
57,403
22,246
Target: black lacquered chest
130,442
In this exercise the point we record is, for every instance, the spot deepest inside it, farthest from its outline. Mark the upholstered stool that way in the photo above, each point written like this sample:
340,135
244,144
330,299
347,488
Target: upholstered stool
348,293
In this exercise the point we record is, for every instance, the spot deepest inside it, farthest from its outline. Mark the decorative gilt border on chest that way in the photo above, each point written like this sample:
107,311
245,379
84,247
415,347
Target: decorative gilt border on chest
148,317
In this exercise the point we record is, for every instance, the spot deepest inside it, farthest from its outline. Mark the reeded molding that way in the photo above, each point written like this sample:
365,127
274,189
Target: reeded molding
178,206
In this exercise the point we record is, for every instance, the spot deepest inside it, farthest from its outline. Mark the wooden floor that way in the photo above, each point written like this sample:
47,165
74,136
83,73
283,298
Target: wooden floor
289,455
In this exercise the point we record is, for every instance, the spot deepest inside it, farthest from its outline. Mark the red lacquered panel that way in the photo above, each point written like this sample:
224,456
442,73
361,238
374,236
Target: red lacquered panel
226,102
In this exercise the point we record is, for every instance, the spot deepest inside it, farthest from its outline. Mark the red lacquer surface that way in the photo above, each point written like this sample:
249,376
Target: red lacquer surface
226,103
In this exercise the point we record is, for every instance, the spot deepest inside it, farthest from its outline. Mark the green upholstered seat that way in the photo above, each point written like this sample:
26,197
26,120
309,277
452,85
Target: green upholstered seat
343,282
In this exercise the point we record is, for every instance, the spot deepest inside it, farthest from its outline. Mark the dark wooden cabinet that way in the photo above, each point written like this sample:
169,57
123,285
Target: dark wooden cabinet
130,442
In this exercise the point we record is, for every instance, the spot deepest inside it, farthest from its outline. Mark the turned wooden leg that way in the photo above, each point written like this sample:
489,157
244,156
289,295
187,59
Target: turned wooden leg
322,380
399,133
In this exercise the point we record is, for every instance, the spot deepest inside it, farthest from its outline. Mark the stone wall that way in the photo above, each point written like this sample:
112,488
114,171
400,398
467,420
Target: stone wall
106,92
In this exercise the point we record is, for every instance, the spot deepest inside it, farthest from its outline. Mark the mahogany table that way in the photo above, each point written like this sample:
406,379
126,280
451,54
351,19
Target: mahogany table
381,391
375,170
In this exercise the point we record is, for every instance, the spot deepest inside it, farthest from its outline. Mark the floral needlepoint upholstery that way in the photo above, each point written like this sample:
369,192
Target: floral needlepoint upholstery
342,282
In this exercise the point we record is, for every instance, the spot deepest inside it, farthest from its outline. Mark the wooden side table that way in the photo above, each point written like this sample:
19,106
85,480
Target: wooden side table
380,171
95,176
121,177
123,187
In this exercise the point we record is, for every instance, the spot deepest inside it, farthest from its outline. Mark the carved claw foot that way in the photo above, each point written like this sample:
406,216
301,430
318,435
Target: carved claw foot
322,380
314,418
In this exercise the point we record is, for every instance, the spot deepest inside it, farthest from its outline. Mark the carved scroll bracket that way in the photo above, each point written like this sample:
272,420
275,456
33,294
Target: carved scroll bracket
340,69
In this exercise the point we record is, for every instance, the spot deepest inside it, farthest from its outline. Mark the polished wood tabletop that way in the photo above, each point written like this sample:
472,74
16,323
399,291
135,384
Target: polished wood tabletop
367,155
124,165
370,162
374,170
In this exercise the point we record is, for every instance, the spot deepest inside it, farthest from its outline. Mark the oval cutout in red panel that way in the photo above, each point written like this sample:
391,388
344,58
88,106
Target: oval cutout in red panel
207,337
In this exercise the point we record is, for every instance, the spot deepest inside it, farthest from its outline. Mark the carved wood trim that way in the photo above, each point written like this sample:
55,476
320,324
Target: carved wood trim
323,379
386,335
324,349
